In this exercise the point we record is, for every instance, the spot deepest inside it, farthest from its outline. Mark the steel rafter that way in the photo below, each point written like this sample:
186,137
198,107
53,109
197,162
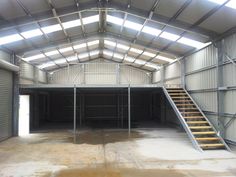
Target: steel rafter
111,6
207,15
175,16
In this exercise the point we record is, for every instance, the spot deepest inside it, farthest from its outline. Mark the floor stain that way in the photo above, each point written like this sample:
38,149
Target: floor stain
107,172
110,153
97,137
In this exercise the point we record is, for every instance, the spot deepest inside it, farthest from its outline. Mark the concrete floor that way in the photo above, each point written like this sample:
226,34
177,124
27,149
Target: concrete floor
110,153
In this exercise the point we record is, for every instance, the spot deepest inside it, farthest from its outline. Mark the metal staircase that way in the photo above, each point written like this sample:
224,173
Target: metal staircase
200,131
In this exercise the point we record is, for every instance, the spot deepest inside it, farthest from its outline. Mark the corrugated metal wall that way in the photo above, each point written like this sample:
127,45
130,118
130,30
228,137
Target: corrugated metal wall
6,92
201,80
202,59
206,79
42,76
100,73
169,75
130,75
6,104
207,100
229,81
31,75
156,77
173,71
5,56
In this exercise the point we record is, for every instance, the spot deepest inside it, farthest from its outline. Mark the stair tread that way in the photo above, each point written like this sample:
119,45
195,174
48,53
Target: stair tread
193,116
199,127
196,122
179,97
203,133
182,100
191,112
211,145
208,138
174,88
177,93
189,108
185,104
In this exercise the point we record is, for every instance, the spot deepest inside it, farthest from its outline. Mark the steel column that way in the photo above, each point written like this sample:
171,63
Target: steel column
15,100
129,123
117,74
162,70
74,113
182,66
220,83
80,110
118,110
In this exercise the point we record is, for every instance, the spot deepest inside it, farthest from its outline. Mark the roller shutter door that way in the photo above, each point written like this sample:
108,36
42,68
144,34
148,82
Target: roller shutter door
6,90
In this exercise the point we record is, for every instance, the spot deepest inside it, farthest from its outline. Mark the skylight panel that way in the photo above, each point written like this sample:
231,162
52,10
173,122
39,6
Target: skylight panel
110,43
118,56
51,29
34,57
67,49
31,33
159,57
152,65
95,52
149,54
79,46
10,38
71,24
72,58
46,65
169,36
139,62
133,25
108,53
231,4
191,42
218,1
83,55
51,53
115,20
93,43
151,31
123,47
60,61
129,59
138,51
91,19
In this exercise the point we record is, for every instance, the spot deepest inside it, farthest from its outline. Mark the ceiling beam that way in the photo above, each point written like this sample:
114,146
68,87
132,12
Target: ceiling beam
54,12
164,20
27,12
90,36
201,20
174,17
89,6
150,15
88,61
